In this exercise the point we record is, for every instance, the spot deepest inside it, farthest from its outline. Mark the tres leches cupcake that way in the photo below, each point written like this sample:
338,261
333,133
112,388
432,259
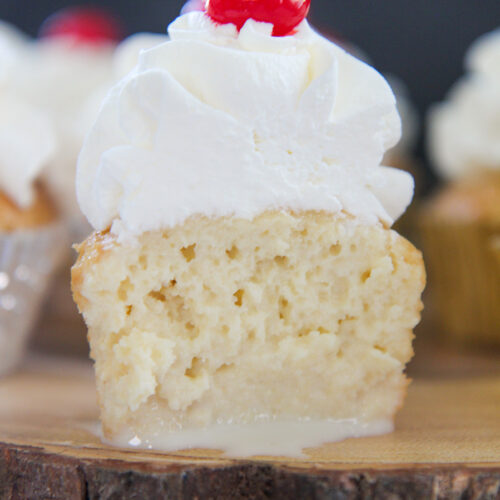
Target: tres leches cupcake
461,223
243,289
31,240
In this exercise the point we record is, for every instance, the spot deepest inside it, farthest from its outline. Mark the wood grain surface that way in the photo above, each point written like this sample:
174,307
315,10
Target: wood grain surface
447,445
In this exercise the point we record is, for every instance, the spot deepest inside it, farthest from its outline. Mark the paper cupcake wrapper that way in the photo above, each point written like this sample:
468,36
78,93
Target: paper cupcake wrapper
27,261
463,264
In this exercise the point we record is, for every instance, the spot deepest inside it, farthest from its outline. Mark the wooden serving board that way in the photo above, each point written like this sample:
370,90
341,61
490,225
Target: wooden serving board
447,445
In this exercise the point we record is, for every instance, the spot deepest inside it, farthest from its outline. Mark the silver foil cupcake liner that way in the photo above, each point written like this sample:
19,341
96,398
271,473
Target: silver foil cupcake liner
28,259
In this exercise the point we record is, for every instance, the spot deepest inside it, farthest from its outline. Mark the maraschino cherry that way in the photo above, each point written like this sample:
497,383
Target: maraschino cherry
285,15
84,25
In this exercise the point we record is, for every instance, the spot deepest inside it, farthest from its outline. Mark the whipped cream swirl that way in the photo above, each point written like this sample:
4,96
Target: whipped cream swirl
464,131
12,45
27,138
127,53
220,123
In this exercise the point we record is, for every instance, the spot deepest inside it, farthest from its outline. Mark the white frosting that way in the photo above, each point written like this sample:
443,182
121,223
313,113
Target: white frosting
219,123
127,53
27,139
464,131
59,78
406,109
125,59
12,43
27,143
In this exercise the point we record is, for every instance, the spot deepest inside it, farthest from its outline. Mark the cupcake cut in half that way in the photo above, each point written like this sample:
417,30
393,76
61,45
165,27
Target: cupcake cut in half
243,290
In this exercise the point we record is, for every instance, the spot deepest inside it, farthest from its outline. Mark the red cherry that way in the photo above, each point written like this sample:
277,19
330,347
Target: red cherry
285,15
86,25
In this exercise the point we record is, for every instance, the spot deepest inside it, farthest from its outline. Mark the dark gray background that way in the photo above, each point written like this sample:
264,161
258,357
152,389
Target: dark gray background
421,41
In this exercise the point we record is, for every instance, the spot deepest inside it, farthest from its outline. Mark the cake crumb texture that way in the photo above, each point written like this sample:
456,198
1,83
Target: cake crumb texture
234,321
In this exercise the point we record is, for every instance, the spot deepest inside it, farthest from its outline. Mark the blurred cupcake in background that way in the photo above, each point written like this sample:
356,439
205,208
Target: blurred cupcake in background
60,72
32,240
71,59
460,225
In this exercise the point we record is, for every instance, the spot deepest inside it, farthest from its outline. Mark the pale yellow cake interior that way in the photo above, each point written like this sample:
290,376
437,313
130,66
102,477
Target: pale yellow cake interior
233,321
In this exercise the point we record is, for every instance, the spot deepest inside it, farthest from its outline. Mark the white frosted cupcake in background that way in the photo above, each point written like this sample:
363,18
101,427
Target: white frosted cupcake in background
71,59
60,71
243,276
461,223
32,241
463,130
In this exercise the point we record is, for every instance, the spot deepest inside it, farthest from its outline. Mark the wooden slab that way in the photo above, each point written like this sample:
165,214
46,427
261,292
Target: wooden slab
447,445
